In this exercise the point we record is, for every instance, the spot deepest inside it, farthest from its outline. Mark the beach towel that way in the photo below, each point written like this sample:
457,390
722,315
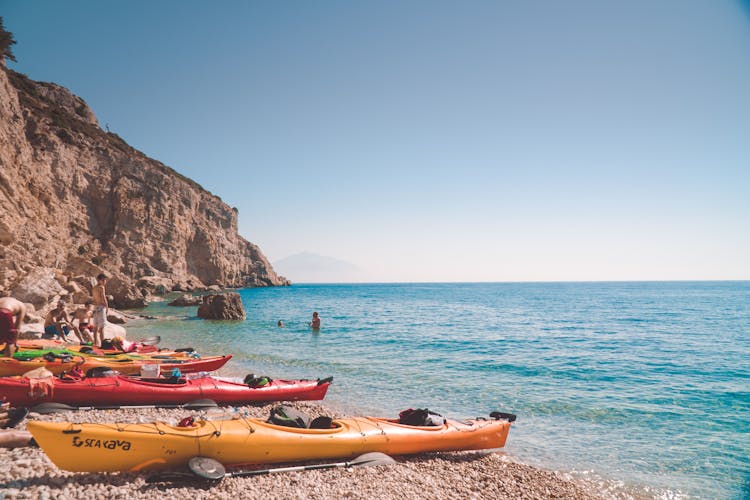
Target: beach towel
41,388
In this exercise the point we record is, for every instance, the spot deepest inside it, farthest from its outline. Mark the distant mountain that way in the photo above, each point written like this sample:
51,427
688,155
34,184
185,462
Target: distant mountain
308,267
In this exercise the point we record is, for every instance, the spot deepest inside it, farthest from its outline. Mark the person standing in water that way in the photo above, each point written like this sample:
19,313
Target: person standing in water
101,308
315,323
12,314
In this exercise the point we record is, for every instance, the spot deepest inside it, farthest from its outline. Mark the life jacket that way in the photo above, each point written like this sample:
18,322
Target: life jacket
74,374
253,382
290,417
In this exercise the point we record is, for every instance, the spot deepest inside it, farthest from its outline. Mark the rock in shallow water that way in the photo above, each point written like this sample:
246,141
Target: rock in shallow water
222,306
185,300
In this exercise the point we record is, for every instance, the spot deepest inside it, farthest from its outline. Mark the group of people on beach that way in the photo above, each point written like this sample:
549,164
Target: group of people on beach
90,319
86,322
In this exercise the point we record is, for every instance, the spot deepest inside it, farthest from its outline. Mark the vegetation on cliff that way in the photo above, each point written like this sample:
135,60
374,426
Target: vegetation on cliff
6,40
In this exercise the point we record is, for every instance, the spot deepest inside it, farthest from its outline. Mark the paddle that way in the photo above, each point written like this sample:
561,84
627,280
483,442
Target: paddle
209,468
51,407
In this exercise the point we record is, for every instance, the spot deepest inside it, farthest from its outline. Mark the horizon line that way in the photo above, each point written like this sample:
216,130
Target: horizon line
516,281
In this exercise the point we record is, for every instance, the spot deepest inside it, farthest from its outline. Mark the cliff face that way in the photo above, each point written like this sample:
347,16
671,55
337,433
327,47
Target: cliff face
76,199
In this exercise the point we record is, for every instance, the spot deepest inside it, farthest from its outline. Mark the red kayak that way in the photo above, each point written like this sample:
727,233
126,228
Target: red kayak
132,391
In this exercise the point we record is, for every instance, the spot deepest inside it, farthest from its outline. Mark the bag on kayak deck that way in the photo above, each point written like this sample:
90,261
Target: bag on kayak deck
253,382
101,372
51,357
40,372
420,417
289,417
73,375
321,422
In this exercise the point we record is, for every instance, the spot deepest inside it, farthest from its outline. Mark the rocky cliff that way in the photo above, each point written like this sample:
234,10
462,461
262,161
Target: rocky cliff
76,200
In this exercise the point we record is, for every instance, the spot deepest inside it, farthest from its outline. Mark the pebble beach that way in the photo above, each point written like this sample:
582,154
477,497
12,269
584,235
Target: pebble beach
27,473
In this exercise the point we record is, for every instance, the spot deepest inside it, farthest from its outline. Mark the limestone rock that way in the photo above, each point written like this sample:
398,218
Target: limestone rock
185,300
30,331
62,98
222,306
76,293
6,235
76,198
116,317
85,282
125,294
111,330
156,284
33,318
38,287
80,297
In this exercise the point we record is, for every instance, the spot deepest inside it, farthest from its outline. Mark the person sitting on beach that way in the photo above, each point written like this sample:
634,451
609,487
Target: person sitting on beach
12,315
101,308
57,324
85,328
315,323
124,345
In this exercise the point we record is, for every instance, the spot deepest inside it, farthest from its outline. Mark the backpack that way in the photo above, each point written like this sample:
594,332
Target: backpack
420,417
254,382
51,357
289,417
100,372
322,422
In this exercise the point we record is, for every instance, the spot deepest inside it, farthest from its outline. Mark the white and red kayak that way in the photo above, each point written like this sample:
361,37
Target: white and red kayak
118,390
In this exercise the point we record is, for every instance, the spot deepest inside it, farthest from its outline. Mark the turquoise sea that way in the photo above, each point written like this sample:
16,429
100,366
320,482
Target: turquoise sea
646,384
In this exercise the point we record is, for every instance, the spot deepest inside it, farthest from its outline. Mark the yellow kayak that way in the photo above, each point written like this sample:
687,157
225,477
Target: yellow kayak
10,367
136,447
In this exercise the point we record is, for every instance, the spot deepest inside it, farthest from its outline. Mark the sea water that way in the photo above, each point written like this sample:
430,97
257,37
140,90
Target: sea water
645,383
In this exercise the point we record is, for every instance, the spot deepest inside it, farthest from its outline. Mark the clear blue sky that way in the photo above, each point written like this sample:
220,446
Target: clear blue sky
430,140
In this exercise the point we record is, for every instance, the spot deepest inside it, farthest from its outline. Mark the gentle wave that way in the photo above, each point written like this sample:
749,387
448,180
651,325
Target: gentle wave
645,383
